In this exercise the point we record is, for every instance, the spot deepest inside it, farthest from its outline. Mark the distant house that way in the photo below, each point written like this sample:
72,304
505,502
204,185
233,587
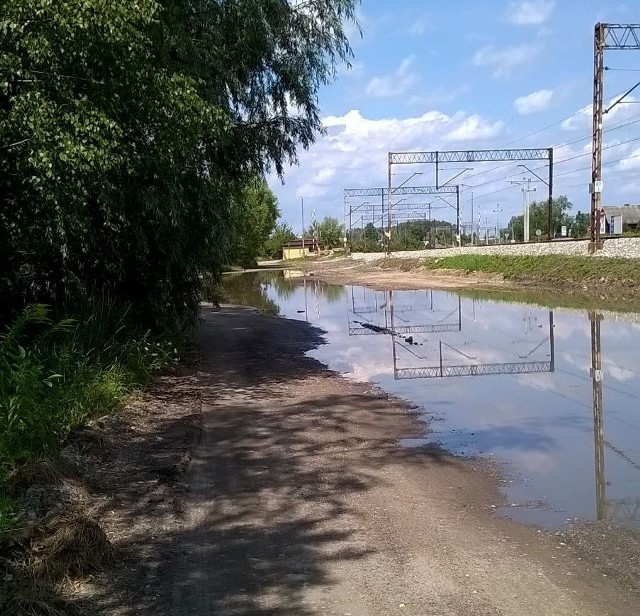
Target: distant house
296,249
621,218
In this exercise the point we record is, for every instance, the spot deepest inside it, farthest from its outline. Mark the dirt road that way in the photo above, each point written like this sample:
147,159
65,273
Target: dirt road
299,501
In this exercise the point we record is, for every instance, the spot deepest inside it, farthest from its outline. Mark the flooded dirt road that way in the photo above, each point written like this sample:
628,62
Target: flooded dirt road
550,395
301,500
314,492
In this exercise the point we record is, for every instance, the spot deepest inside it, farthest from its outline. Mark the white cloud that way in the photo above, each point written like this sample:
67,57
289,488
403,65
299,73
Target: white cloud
632,161
583,118
504,61
534,102
353,153
473,128
394,84
530,12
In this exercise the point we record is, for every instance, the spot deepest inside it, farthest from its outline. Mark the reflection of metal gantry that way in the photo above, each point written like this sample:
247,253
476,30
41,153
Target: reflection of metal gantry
402,330
435,372
624,510
370,329
472,369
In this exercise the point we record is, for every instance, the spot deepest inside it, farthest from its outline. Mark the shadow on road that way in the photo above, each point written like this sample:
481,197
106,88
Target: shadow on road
268,507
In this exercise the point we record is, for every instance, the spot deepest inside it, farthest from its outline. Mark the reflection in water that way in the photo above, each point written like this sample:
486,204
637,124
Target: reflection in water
598,428
539,404
247,290
626,510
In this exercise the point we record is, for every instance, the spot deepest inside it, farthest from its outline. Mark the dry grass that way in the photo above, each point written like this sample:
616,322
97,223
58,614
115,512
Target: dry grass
40,472
68,545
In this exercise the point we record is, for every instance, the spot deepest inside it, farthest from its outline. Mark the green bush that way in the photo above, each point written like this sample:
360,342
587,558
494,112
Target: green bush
54,376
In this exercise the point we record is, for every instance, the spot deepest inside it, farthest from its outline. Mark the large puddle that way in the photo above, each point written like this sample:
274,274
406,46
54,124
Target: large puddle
552,394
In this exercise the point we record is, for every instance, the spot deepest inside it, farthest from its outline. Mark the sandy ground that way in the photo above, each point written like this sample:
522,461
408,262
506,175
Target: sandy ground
408,274
297,500
405,274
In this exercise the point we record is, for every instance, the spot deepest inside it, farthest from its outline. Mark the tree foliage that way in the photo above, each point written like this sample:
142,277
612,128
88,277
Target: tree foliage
330,232
280,235
256,213
539,219
132,134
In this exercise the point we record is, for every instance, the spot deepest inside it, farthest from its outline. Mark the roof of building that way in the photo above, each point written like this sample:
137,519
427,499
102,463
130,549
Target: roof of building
308,243
630,213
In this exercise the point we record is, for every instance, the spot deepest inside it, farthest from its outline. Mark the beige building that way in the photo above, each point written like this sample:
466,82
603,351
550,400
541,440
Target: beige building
296,249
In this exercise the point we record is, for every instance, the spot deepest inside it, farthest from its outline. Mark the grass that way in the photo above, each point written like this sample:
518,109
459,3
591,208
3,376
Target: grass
54,376
547,268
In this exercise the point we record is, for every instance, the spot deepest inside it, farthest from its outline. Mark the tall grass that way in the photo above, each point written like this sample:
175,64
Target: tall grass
544,267
55,375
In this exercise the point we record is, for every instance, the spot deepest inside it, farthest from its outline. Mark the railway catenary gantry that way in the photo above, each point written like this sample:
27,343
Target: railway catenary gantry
377,210
437,158
606,37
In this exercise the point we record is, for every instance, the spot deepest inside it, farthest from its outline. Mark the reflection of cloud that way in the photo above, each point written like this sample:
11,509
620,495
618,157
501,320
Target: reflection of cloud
537,381
535,462
620,373
570,325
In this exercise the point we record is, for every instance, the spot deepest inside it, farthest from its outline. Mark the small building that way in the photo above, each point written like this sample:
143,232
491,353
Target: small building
296,249
622,218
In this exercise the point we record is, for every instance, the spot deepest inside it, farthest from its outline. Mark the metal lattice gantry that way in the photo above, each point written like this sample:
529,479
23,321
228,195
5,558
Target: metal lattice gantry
377,211
470,156
621,36
606,37
436,372
404,190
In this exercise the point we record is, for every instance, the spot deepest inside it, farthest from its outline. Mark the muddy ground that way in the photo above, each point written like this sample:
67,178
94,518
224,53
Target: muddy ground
409,274
256,482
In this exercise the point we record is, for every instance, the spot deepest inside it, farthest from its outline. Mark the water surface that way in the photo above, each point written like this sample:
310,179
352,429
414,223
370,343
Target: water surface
552,394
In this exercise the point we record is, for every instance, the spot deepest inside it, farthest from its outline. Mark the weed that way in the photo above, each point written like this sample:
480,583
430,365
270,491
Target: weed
54,376
549,268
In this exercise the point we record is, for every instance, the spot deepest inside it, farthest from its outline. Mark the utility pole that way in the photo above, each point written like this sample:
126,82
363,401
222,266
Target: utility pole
472,242
606,36
596,149
458,232
525,187
497,213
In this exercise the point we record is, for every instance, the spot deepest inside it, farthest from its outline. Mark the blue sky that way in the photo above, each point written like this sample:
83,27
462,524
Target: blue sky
462,74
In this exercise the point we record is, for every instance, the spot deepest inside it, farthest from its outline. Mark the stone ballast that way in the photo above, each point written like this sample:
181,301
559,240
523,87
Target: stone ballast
624,248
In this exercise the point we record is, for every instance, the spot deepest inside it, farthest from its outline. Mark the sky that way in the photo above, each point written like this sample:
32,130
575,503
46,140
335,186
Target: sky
429,75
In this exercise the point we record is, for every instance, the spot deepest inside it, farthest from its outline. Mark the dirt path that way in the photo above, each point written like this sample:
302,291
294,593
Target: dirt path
299,501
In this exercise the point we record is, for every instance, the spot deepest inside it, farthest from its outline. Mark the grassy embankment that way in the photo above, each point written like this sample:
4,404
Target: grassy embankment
56,375
556,280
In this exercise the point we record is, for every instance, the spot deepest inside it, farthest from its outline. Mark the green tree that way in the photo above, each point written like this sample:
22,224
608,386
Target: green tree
280,235
256,209
539,219
130,129
330,232
580,225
